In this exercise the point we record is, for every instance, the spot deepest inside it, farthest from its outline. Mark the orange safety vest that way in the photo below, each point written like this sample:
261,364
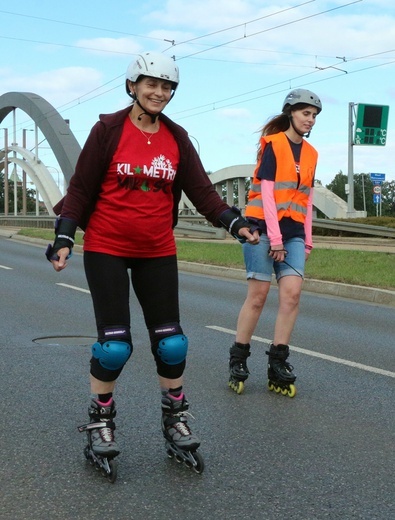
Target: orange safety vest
291,190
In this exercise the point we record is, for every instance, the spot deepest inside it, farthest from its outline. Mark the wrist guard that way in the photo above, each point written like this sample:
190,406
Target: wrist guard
65,231
232,221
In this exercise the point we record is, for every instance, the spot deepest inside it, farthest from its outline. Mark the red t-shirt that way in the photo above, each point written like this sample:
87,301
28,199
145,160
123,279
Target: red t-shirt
133,214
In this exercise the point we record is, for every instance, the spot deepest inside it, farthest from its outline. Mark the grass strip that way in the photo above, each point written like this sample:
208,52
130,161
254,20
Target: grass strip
365,268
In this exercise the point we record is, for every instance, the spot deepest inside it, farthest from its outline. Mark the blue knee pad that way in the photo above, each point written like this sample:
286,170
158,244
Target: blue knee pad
112,355
173,349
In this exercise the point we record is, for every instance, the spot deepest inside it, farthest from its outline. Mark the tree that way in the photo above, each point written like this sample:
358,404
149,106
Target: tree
338,185
363,193
388,198
30,197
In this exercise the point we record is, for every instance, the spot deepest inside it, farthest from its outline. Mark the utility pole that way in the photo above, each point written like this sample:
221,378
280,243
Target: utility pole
350,195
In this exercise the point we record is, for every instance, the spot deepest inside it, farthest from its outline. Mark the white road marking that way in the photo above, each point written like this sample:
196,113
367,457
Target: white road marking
311,353
5,267
74,287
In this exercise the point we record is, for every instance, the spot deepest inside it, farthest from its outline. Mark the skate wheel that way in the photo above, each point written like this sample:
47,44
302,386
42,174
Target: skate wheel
237,387
292,391
284,391
170,454
270,386
112,476
199,463
277,389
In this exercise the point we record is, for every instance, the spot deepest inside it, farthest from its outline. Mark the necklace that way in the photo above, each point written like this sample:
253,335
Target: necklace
148,137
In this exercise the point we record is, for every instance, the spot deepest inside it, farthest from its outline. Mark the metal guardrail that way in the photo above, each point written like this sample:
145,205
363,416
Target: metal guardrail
196,226
353,227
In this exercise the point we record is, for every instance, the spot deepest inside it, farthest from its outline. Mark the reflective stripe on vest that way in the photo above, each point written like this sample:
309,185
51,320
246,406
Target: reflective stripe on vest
291,198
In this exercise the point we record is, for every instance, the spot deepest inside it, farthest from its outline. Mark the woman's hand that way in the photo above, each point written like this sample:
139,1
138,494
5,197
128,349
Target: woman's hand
61,263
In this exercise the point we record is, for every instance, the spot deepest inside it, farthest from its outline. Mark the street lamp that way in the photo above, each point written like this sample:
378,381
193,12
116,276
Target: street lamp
24,183
198,145
5,171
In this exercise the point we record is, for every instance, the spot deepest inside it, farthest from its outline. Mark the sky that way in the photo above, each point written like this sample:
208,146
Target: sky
238,59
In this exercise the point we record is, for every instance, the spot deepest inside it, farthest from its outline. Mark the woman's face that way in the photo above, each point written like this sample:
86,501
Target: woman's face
153,94
304,119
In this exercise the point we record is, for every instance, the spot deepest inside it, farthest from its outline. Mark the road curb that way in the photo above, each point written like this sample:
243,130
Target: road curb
355,292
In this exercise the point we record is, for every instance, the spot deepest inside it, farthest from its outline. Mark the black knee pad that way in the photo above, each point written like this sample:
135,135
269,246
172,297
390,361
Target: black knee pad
110,353
169,347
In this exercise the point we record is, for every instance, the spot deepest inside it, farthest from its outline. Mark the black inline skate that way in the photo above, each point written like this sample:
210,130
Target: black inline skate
102,447
238,371
180,442
279,371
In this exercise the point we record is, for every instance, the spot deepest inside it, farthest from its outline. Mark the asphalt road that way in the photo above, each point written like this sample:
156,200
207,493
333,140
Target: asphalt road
327,453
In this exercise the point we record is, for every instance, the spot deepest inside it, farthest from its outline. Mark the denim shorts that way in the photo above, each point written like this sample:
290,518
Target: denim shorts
260,266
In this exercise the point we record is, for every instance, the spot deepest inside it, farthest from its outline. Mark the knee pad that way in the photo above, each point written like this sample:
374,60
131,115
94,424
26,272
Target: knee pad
169,347
173,350
111,352
112,355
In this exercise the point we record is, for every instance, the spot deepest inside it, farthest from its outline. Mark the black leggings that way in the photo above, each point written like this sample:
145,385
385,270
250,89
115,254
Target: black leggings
154,281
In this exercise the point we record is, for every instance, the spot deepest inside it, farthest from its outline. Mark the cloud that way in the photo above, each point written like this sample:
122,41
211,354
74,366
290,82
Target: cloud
55,85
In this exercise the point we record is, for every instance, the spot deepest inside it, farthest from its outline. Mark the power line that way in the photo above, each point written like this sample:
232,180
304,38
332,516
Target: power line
80,100
275,92
244,24
79,25
289,81
271,28
66,45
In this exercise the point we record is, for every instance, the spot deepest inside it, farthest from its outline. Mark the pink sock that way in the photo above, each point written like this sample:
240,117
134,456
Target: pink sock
104,404
178,398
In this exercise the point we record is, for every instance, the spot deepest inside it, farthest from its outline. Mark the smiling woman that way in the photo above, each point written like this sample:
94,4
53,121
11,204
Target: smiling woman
124,194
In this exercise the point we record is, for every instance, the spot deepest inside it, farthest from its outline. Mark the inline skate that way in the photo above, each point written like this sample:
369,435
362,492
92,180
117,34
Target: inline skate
279,371
180,442
101,448
238,371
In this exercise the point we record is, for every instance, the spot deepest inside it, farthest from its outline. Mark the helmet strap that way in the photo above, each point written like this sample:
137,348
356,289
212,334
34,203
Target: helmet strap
153,117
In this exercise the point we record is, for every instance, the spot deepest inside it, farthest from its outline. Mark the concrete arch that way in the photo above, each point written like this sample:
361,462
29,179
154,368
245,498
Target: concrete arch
55,129
326,201
37,172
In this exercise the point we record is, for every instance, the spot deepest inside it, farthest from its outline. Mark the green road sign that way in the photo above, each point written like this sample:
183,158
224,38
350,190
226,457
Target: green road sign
371,125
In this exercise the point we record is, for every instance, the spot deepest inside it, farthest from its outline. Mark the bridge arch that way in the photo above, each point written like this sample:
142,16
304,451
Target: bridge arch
58,135
326,201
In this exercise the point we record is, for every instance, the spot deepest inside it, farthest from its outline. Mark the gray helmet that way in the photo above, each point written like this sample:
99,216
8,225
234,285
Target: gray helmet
155,65
301,95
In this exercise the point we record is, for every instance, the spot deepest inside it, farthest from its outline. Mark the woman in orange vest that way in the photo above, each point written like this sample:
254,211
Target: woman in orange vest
280,200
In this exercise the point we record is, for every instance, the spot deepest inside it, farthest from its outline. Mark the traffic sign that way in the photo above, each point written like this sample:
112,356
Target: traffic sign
377,177
371,125
377,189
376,198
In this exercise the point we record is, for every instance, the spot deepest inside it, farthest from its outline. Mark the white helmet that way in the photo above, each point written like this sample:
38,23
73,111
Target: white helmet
301,95
155,65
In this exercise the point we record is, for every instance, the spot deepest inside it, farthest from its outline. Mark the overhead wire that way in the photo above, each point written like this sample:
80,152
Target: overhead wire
289,82
80,100
104,29
244,24
272,28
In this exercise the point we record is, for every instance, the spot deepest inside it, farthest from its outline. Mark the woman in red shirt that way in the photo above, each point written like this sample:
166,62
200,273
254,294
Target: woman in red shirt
125,194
